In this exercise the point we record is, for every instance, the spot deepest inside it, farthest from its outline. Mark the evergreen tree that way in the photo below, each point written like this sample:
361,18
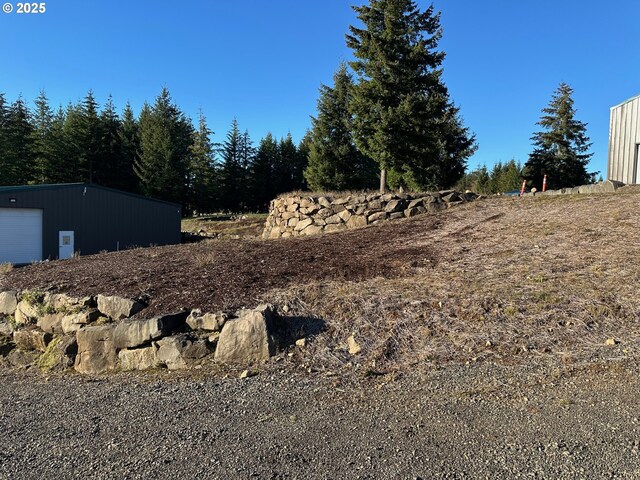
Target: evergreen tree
561,150
288,175
261,174
334,161
202,168
165,138
42,121
88,138
129,150
403,117
232,173
109,158
16,155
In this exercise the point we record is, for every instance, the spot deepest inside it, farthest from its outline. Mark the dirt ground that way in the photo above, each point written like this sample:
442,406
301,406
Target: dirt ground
498,280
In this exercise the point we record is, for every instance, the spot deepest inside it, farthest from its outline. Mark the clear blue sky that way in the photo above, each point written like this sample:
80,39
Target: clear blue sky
263,61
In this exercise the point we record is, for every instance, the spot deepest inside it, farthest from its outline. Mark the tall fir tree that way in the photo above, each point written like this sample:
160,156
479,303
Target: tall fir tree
129,135
232,173
165,138
43,155
403,117
261,173
561,150
16,156
88,138
110,153
202,174
334,161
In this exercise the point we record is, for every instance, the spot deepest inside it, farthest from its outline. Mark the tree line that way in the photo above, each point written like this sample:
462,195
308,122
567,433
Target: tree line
387,119
159,153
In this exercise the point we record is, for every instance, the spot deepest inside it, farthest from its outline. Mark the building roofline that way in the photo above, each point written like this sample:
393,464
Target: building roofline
61,186
626,101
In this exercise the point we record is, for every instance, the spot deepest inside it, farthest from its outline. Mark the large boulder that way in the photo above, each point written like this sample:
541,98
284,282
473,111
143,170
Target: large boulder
29,339
26,313
64,303
51,322
8,303
60,353
22,359
75,321
6,328
96,350
248,338
118,308
210,322
138,358
134,333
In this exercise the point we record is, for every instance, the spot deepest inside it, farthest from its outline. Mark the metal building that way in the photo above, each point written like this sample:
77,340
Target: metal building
624,142
40,222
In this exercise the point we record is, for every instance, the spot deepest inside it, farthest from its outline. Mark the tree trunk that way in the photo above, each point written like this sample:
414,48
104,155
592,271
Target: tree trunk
383,180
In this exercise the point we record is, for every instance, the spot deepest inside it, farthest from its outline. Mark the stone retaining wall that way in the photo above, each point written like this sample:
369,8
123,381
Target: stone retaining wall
608,186
309,215
97,334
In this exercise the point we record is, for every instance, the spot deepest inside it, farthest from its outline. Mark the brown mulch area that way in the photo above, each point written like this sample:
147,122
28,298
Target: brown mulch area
228,274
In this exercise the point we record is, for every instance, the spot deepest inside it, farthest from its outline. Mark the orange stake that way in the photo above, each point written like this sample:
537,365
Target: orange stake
524,185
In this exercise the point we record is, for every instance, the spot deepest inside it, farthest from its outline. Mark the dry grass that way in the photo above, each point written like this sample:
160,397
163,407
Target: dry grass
518,279
5,268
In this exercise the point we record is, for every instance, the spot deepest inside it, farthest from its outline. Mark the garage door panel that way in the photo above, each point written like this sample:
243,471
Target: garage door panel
20,235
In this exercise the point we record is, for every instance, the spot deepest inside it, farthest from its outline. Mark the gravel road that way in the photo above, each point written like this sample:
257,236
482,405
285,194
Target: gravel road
480,421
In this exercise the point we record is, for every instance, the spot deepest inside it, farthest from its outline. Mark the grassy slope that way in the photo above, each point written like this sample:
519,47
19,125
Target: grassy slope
518,279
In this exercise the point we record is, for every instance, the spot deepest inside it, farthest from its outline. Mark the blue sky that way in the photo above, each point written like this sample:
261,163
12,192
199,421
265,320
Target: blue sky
263,61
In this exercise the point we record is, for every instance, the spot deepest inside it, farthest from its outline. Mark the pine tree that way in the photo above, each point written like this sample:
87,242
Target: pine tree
232,173
16,155
202,168
334,161
110,159
88,140
261,173
129,149
43,156
288,175
561,150
165,138
403,117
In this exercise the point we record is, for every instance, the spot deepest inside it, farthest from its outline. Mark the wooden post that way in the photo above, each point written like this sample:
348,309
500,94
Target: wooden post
383,180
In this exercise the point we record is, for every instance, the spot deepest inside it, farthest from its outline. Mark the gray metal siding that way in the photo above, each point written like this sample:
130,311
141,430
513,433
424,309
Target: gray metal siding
102,219
624,136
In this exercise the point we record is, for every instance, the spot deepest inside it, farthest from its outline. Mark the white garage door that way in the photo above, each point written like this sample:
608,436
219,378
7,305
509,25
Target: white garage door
20,235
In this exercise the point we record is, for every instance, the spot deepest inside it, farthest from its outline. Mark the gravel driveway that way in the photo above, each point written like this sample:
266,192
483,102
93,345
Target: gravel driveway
480,421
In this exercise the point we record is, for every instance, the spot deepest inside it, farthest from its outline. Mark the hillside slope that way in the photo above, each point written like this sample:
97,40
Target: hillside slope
499,279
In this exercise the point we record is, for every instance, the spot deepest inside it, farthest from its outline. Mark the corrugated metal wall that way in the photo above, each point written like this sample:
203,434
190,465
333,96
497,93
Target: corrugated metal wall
102,219
624,139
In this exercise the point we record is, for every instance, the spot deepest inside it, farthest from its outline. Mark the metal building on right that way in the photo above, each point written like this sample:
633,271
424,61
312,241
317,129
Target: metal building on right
624,142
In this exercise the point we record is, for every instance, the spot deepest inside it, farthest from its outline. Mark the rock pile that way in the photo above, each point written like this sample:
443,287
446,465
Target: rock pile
310,215
97,334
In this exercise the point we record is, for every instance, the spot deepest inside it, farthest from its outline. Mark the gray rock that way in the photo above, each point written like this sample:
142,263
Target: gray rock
60,353
418,202
374,217
333,219
139,358
450,197
26,313
8,303
341,201
248,338
357,221
396,215
74,322
210,322
395,206
324,201
134,333
6,328
51,322
345,215
29,339
302,224
22,359
62,301
96,350
118,308
335,227
170,351
312,230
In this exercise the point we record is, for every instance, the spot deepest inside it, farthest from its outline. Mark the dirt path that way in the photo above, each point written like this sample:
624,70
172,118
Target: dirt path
479,422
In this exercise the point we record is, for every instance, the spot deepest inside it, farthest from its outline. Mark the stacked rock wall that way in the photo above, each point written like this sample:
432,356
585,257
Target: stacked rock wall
97,334
309,215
